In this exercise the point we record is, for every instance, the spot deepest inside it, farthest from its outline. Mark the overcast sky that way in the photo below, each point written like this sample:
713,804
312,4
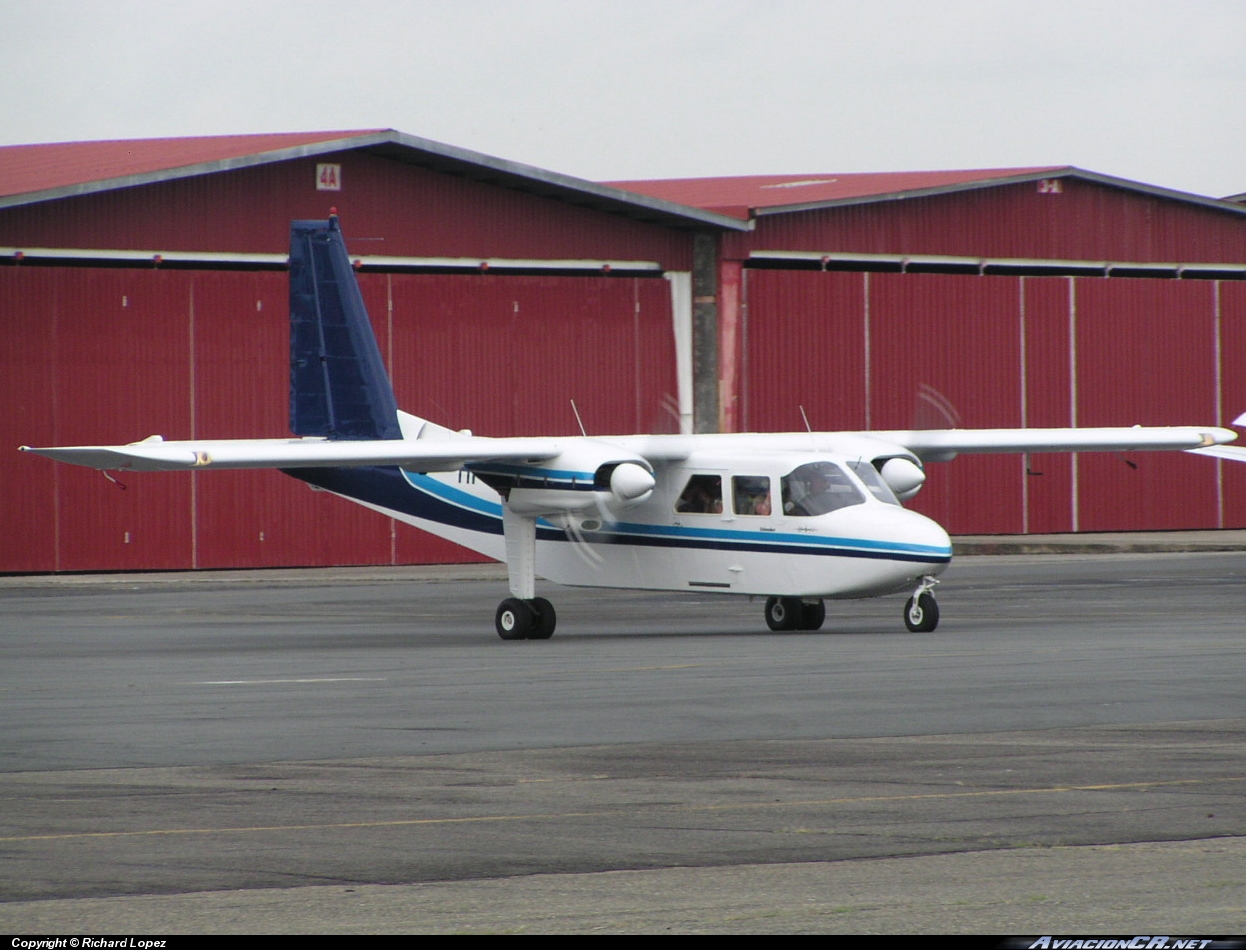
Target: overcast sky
1151,91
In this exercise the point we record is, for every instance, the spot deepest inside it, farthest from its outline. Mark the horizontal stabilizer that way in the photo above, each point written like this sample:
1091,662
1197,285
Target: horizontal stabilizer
416,455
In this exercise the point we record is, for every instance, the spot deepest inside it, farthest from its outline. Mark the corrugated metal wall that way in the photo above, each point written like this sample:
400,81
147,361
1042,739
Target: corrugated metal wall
103,355
387,207
506,355
803,344
1147,348
1231,305
888,351
100,356
1084,221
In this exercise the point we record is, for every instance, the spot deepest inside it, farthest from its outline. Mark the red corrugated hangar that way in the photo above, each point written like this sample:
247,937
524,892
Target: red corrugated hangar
1014,297
145,292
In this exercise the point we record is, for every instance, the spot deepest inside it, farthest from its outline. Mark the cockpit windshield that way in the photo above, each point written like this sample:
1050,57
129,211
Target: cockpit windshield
874,482
817,488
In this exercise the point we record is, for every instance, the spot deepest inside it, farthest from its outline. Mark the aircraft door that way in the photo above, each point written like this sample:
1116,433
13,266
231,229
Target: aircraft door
702,556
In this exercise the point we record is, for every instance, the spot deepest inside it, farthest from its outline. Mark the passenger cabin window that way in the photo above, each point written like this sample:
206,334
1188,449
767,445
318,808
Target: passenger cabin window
818,488
750,494
703,495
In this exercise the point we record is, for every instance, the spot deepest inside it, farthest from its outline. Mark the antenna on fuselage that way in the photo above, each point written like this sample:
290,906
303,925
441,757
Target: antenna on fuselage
808,427
578,420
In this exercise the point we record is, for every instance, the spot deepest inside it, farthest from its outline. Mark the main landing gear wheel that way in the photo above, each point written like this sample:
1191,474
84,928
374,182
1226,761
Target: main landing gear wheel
784,613
546,619
525,619
812,615
921,613
514,619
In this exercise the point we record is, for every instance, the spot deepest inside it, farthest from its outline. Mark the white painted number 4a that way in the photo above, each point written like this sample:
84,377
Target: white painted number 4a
328,177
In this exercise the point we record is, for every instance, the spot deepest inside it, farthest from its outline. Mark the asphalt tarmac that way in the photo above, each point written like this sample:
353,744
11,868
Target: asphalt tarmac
357,751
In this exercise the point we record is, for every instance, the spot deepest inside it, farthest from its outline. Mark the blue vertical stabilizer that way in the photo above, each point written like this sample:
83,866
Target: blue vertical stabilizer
338,384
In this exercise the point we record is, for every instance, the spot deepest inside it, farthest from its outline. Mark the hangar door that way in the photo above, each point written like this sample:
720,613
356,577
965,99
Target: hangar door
901,350
103,355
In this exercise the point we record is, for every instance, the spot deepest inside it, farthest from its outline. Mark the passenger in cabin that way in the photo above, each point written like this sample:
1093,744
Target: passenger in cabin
703,495
751,494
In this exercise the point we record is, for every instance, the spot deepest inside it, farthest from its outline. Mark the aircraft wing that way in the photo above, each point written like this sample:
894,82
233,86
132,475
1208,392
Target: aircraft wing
451,453
942,444
419,455
1234,453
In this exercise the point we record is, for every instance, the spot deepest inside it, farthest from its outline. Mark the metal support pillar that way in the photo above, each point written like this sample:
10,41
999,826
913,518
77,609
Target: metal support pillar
705,332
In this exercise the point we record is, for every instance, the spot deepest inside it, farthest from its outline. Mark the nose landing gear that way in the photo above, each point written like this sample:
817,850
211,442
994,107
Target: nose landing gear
921,613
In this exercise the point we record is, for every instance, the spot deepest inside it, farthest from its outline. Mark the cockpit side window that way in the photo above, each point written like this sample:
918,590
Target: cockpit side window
750,494
703,495
817,488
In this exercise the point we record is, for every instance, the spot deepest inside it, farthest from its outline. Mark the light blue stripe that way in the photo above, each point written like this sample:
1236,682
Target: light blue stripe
456,496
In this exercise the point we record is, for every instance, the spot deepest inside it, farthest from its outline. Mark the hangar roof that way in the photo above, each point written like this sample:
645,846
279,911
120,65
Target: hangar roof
34,173
758,195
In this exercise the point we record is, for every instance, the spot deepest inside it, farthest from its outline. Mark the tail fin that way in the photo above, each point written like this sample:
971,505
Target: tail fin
338,384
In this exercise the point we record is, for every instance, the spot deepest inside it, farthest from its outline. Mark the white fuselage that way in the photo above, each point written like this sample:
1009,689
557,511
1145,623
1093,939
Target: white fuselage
869,548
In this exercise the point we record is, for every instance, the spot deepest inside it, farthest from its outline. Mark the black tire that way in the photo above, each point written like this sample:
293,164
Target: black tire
783,613
812,616
922,615
546,619
514,619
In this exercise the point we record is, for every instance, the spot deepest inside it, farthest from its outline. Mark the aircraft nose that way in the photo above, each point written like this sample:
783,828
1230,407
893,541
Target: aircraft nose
914,538
928,536
897,547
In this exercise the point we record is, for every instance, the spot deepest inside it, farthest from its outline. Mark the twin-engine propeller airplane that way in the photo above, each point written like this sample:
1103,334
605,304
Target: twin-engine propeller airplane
795,517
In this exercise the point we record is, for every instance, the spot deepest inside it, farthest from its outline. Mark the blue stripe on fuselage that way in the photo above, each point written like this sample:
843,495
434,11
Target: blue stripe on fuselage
788,543
389,488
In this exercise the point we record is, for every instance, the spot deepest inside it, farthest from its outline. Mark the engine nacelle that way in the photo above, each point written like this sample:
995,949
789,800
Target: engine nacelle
902,477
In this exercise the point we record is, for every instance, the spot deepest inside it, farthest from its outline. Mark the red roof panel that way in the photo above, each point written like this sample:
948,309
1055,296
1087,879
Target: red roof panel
32,168
737,196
